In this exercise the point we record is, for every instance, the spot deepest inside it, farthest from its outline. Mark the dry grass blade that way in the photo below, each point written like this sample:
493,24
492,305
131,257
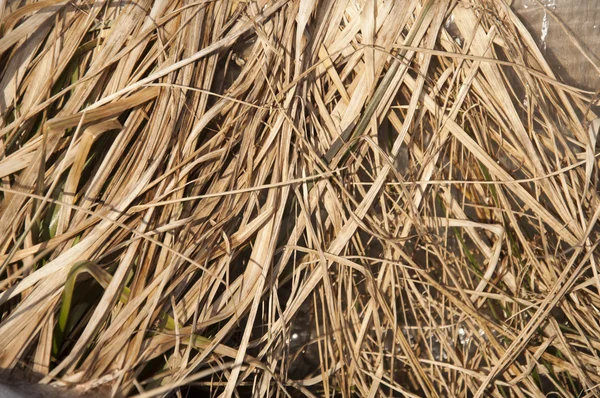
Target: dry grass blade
279,198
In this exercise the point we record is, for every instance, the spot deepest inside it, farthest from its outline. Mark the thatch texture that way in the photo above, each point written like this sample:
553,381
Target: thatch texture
305,197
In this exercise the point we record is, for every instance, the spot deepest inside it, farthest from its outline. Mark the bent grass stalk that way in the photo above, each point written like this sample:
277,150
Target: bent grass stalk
103,278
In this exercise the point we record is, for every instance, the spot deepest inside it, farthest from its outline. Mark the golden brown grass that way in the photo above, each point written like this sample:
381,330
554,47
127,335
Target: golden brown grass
181,154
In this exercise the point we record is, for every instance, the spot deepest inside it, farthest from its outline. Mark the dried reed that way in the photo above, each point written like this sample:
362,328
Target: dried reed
294,197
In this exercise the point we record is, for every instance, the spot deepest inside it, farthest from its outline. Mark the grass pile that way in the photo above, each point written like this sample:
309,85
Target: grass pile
294,198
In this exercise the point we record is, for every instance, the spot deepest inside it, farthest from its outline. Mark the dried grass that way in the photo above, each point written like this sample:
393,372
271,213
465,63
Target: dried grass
315,198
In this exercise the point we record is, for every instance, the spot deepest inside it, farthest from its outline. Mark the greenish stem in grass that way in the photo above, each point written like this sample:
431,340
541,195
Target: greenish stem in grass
53,224
549,367
503,391
567,329
471,259
488,177
536,376
568,375
103,278
67,297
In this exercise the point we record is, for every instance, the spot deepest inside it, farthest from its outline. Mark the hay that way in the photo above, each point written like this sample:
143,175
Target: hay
314,198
